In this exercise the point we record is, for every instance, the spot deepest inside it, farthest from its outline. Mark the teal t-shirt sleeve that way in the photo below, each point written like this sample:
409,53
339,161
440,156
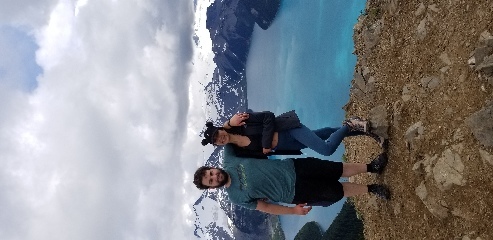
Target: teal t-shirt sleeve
250,205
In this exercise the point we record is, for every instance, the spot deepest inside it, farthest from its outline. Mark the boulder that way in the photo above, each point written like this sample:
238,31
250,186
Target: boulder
448,170
481,125
486,156
414,132
371,35
445,59
421,30
379,122
430,82
481,58
437,208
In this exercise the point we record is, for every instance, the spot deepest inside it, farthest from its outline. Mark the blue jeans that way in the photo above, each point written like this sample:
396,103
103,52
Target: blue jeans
324,141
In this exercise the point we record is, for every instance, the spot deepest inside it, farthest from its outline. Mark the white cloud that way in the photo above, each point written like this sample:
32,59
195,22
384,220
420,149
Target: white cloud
26,13
105,146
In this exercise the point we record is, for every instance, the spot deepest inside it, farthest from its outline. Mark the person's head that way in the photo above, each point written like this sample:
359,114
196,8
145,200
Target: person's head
221,137
209,177
216,136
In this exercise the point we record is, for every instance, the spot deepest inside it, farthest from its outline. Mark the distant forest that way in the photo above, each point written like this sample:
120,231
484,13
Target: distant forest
346,226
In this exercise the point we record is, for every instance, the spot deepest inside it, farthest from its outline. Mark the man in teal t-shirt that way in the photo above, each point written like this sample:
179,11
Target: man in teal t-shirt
255,183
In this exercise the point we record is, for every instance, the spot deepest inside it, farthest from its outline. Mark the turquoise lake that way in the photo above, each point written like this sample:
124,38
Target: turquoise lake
304,62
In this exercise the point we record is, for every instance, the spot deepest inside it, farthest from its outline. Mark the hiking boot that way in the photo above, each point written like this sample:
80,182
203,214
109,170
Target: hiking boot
380,191
357,124
378,164
381,141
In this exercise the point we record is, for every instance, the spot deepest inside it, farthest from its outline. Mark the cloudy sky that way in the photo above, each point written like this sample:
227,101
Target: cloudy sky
101,110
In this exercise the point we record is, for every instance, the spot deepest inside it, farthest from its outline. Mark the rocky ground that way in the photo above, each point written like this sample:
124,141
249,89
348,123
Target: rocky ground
424,78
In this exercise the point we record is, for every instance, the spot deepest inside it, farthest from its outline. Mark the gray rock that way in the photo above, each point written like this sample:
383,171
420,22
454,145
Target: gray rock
484,36
417,165
481,53
371,35
421,9
428,164
490,80
488,42
421,30
481,125
434,8
406,92
414,132
430,18
370,84
472,62
486,67
357,93
435,207
360,82
379,122
392,6
482,57
366,71
462,77
449,170
396,116
430,82
459,213
458,148
445,59
486,156
458,135
421,191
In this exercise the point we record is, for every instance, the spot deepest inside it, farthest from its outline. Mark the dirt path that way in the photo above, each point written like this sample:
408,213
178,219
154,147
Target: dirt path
413,79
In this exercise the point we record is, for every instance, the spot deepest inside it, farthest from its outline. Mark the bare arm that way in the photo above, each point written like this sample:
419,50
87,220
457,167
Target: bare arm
299,209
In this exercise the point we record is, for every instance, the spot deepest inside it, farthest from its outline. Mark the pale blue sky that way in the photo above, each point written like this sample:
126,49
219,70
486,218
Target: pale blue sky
18,66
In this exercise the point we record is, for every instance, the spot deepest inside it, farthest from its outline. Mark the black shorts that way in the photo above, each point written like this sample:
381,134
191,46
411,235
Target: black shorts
317,182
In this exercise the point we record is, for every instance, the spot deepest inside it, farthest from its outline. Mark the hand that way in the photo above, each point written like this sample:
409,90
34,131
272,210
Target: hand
266,150
300,209
238,119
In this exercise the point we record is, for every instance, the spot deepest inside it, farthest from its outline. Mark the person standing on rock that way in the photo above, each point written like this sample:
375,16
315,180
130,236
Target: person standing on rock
260,134
305,182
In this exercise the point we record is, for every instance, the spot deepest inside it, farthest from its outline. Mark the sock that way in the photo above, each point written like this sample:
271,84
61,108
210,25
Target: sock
372,188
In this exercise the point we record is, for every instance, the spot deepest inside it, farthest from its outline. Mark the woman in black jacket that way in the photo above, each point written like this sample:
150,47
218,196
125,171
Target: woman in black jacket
259,134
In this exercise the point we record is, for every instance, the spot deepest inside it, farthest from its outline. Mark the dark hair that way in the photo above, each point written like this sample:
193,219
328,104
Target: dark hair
197,177
210,133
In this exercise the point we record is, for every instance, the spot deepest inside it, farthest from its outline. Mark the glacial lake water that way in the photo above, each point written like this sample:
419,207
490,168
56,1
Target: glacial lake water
304,62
